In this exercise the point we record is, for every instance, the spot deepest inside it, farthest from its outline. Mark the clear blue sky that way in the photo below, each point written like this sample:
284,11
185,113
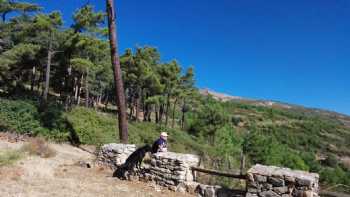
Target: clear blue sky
294,51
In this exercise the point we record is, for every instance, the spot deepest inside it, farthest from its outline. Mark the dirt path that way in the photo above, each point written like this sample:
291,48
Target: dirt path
61,176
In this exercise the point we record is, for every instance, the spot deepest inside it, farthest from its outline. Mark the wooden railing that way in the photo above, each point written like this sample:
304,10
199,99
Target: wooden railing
235,175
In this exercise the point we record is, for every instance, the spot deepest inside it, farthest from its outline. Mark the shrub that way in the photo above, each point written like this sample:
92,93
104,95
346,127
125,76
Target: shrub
20,116
39,147
9,157
331,160
92,127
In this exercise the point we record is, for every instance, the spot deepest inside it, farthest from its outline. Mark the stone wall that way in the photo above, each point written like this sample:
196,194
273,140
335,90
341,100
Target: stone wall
114,155
271,181
172,170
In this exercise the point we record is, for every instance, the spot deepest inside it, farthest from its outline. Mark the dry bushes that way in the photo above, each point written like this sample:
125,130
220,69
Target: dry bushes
9,157
39,147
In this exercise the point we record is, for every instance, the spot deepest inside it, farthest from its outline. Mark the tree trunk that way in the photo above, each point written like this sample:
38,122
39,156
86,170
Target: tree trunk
120,97
161,112
137,104
48,67
173,123
76,89
87,89
33,79
157,113
38,82
149,114
183,115
131,110
79,88
41,83
167,109
67,82
145,112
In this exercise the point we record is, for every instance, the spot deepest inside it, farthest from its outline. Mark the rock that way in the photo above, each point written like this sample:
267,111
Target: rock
181,188
276,182
113,155
253,190
267,186
303,182
191,187
286,195
289,179
260,178
251,195
280,190
298,193
268,194
209,192
281,182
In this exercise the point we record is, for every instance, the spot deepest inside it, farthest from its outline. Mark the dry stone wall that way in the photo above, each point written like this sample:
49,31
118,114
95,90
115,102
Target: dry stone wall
271,181
114,155
172,170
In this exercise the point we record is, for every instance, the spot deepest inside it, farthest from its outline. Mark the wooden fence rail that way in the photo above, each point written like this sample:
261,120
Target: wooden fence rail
218,173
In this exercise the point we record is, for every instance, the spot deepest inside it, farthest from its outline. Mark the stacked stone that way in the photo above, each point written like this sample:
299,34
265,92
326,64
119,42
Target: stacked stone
216,191
172,170
114,155
271,181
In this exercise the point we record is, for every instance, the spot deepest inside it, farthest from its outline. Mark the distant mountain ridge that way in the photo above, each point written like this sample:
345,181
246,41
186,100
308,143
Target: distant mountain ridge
345,119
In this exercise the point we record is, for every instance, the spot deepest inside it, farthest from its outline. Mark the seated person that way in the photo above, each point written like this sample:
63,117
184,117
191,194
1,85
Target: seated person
160,145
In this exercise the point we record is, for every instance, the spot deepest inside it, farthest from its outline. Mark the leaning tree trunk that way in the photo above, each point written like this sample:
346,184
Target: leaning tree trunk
120,97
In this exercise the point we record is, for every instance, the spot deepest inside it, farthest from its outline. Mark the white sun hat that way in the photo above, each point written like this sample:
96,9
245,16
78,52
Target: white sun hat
164,134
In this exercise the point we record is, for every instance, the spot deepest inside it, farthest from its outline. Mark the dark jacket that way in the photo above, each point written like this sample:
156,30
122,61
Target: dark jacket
160,143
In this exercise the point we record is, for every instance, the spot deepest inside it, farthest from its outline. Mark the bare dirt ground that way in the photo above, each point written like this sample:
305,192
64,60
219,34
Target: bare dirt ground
33,176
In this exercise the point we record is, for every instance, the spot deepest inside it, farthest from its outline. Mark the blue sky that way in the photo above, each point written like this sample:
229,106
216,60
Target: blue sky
292,51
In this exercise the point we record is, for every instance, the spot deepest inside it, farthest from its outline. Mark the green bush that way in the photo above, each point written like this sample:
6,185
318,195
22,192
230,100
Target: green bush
335,176
20,116
267,150
331,160
92,127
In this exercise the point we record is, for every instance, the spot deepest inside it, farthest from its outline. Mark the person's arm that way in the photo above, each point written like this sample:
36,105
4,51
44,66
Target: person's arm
163,147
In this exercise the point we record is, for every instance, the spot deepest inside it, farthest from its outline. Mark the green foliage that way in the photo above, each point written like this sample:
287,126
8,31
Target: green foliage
335,176
20,116
331,160
87,20
81,65
267,150
208,120
92,128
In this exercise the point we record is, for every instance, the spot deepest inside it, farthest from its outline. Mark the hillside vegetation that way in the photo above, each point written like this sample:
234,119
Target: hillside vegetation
49,71
218,132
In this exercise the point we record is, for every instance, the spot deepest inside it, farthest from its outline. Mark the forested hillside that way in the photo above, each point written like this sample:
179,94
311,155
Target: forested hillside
57,81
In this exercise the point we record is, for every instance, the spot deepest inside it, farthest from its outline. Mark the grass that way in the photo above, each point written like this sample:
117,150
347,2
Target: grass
9,157
39,147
